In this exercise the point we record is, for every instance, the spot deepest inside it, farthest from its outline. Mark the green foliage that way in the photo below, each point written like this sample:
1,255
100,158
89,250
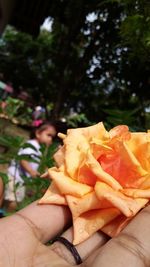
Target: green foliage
4,177
76,120
98,61
12,106
95,67
135,31
35,187
16,110
127,117
47,160
12,144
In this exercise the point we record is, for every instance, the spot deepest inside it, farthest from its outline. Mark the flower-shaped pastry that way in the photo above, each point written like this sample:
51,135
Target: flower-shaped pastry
103,176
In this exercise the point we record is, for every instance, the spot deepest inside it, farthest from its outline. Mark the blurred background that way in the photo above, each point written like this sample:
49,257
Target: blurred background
77,62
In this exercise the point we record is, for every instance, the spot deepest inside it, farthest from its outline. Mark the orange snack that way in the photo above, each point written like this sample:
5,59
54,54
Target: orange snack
103,176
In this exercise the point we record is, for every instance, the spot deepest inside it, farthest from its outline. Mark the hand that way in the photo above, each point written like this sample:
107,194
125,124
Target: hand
130,248
23,235
1,191
34,173
26,166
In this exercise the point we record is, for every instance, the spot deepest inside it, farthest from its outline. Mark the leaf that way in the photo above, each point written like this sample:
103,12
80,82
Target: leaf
3,161
11,141
27,158
28,145
4,177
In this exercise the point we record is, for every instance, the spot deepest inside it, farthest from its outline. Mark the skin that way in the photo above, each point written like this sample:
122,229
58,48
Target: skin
1,191
26,166
24,234
43,137
46,136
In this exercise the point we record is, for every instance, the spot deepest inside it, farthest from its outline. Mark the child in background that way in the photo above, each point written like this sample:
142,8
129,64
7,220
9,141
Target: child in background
42,135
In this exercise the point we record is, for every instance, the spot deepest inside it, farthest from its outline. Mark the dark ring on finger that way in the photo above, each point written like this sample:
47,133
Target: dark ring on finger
70,247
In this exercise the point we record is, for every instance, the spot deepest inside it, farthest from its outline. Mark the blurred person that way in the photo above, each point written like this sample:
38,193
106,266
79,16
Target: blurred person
38,116
15,189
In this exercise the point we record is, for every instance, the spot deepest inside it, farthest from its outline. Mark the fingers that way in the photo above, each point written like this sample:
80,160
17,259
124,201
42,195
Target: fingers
49,220
45,175
46,257
130,248
1,191
21,233
84,249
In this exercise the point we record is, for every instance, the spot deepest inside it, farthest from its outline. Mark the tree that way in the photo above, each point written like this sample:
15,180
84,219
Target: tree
95,58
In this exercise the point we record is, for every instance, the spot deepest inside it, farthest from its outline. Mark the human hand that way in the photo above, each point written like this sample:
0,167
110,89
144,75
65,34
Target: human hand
34,173
26,166
1,191
130,248
23,235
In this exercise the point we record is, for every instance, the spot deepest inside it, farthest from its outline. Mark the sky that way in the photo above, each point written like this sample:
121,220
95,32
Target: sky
47,24
49,21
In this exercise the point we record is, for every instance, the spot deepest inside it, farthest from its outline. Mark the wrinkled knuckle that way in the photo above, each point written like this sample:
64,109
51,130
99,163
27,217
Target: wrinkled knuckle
57,248
134,247
34,229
